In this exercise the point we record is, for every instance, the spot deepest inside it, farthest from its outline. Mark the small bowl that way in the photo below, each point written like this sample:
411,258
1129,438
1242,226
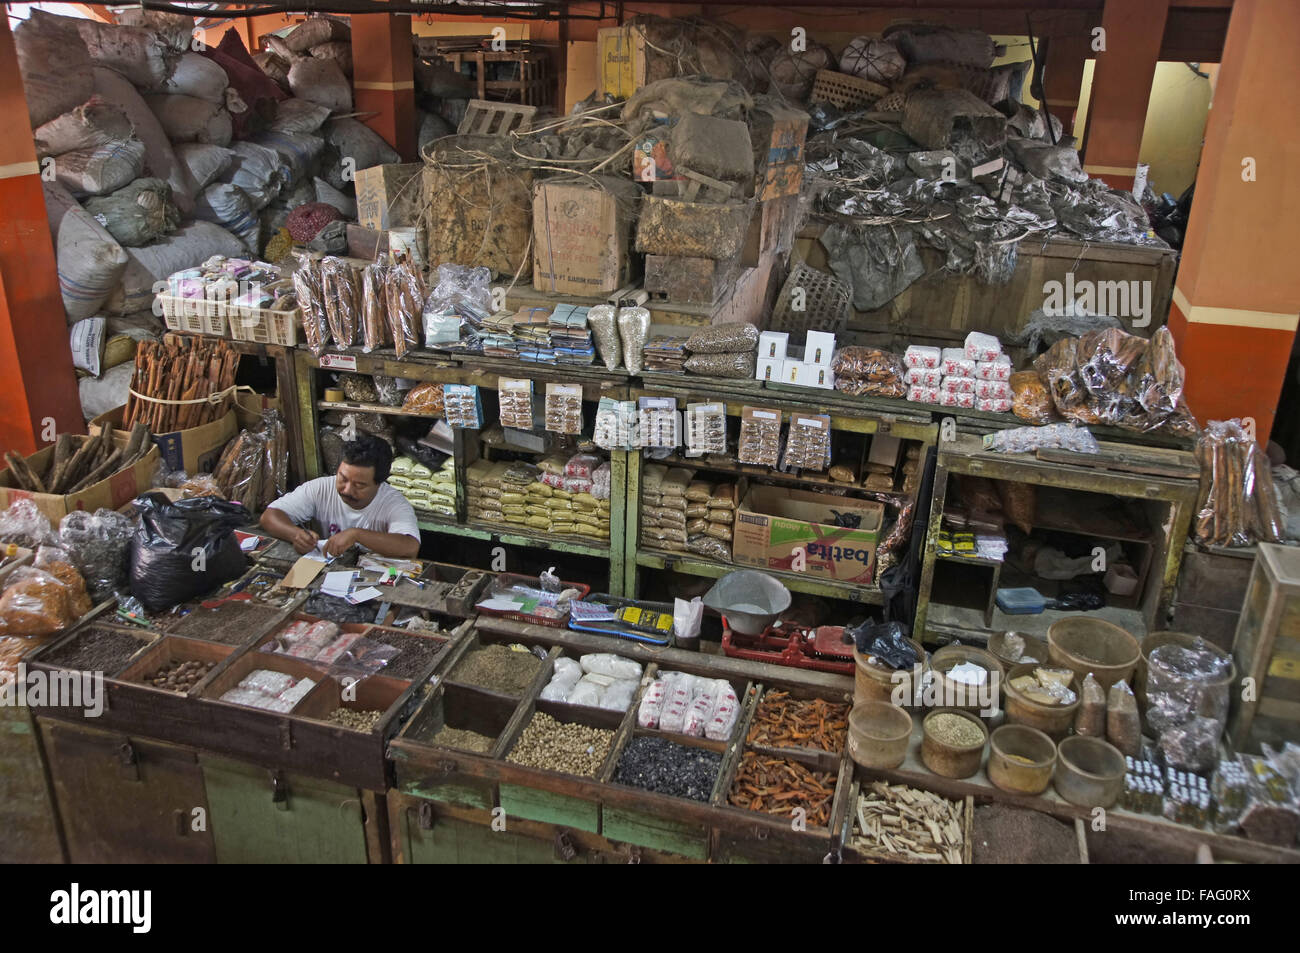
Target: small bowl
948,760
1089,771
879,734
1015,776
1091,645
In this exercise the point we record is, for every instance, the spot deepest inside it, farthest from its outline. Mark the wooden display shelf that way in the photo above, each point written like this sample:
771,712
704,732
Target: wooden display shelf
371,409
914,773
796,582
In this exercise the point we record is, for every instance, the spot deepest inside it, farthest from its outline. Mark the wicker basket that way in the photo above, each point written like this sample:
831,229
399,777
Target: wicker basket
826,303
844,91
194,315
265,326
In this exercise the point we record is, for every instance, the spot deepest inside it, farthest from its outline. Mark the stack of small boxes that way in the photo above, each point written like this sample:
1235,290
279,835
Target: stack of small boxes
783,364
974,377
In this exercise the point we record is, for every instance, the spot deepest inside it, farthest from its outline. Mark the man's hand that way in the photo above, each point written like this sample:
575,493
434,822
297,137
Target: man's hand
340,543
304,541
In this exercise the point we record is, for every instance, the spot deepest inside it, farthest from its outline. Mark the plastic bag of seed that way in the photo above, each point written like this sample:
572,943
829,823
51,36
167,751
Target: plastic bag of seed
99,543
720,338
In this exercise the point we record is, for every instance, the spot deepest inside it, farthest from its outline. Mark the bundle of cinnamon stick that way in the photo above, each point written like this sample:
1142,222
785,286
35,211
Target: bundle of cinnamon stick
80,462
180,368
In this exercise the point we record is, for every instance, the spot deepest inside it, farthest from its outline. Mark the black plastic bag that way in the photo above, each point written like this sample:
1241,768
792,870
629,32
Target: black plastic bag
887,641
184,549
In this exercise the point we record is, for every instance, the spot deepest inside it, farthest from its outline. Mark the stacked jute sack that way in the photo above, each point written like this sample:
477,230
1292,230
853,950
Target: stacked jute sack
682,514
158,153
433,491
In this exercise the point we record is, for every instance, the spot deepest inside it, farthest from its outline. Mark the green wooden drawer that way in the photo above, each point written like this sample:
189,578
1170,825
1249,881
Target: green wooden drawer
29,831
655,831
548,807
261,817
453,841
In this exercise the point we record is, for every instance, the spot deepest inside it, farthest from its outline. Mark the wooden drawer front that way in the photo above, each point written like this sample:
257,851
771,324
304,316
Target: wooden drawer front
264,817
29,827
127,800
447,840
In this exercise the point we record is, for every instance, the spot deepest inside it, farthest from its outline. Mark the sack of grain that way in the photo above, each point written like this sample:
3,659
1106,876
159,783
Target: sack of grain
199,77
189,119
326,193
102,169
99,395
229,206
160,158
257,170
54,64
306,221
188,247
142,56
274,67
340,51
90,262
359,142
316,30
321,81
93,123
137,214
204,161
174,29
298,115
298,152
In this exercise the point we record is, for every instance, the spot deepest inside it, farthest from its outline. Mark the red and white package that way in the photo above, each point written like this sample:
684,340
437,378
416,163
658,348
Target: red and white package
995,370
923,395
652,703
334,651
918,356
958,385
924,376
725,712
581,465
554,480
697,716
982,347
955,363
997,405
574,484
992,390
957,400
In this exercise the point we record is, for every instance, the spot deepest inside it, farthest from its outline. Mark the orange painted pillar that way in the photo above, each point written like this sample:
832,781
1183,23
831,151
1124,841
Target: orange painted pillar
383,78
1237,296
37,381
1063,77
1121,88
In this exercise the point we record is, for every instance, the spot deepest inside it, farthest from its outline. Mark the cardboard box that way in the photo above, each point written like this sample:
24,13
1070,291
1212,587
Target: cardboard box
581,230
195,450
620,61
791,371
778,134
386,196
249,407
109,493
581,76
819,348
769,369
776,526
772,345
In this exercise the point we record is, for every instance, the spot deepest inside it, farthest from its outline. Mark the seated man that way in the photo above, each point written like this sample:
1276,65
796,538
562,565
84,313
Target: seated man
353,507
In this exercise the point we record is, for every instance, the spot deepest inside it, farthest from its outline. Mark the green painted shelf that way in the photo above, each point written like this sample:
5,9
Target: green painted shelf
796,582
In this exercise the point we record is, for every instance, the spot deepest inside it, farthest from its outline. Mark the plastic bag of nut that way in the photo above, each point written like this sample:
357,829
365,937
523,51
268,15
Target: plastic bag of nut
760,437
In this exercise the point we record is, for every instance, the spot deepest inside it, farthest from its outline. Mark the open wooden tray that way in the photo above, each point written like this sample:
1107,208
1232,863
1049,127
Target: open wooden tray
854,855
824,760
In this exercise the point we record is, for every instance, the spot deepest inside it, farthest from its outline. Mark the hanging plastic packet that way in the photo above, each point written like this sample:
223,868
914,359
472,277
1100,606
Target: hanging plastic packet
462,406
808,443
616,424
660,425
516,400
706,429
564,408
760,437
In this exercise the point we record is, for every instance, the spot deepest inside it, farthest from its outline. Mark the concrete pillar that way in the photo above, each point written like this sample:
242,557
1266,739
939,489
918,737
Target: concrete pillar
1121,88
383,78
1237,295
37,381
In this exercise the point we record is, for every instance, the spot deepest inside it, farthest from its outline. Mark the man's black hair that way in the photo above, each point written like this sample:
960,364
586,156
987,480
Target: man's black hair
369,451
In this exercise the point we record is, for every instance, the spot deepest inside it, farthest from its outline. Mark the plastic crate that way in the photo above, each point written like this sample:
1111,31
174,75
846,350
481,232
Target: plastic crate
194,315
844,91
265,326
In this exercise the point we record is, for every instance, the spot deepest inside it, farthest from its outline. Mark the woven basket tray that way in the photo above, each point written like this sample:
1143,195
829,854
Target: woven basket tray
826,302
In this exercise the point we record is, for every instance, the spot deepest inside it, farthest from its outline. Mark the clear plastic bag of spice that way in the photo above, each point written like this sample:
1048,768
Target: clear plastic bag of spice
405,308
760,437
374,307
307,285
341,294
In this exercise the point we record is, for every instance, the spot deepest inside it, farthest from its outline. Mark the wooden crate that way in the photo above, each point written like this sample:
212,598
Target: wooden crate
1267,653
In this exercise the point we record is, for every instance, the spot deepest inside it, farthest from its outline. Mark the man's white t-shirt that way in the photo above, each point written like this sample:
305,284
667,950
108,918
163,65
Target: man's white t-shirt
388,512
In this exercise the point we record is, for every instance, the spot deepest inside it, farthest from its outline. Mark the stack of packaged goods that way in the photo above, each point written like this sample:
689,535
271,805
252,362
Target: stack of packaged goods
483,490
710,519
433,491
666,354
663,506
515,481
974,376
992,372
569,335
568,489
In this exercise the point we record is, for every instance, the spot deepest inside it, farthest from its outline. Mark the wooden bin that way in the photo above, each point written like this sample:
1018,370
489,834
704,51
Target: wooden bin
1267,652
